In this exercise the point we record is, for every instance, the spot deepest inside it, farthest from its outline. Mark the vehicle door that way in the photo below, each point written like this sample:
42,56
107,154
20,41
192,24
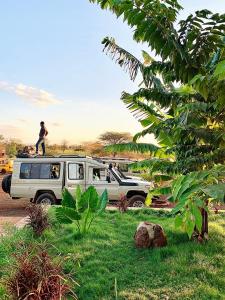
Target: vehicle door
74,176
99,178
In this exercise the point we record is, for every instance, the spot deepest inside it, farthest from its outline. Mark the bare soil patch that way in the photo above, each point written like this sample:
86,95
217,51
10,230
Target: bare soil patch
11,211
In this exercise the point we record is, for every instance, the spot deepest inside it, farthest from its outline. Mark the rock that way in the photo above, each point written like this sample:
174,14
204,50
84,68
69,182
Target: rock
149,235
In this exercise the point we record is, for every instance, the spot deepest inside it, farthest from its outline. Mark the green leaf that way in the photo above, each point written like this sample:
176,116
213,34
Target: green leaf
176,186
147,58
220,69
179,207
91,198
81,200
198,217
67,215
67,199
148,200
215,191
189,223
178,220
103,200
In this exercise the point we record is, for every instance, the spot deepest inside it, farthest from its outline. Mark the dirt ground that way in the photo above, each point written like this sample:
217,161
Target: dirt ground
11,211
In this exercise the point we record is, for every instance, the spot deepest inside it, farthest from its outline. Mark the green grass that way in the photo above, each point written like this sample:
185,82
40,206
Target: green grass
182,270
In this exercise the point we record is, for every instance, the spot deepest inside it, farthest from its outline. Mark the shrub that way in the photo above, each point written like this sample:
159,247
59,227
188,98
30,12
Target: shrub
82,208
38,218
36,277
123,204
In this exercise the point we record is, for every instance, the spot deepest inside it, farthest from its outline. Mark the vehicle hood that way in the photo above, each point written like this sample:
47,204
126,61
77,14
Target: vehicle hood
138,181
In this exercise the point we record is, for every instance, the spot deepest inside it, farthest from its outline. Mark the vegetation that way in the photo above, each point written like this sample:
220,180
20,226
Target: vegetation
181,99
123,204
111,137
81,209
194,191
38,218
106,262
36,277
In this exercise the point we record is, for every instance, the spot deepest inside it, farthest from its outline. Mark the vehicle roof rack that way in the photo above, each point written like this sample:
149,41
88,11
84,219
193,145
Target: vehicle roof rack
73,156
26,155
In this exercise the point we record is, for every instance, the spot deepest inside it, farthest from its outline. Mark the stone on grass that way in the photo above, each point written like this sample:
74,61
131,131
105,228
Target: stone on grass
149,235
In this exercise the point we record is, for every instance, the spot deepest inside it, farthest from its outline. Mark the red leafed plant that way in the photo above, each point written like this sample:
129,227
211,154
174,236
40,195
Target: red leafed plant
36,277
123,204
38,218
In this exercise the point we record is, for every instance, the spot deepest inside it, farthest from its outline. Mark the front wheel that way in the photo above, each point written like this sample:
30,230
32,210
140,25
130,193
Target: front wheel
46,199
137,201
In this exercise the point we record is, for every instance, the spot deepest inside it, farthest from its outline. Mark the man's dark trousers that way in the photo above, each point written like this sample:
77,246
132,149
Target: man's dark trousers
42,142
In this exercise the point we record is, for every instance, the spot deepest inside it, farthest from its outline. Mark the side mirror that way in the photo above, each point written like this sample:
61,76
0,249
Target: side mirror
108,179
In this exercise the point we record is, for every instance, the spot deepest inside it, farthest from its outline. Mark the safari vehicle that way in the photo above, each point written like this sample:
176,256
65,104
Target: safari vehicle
42,179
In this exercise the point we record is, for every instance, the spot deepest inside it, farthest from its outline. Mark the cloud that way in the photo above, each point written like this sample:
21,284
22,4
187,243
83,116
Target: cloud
30,94
56,124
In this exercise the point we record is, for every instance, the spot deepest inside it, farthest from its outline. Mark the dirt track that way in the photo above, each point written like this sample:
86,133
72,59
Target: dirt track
11,211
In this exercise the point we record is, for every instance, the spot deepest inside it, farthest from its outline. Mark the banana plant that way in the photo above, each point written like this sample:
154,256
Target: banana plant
81,208
191,193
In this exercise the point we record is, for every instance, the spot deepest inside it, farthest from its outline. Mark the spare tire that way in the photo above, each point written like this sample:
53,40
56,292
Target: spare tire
6,183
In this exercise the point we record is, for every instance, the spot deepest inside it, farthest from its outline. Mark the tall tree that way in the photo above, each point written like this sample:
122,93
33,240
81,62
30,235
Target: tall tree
181,100
113,137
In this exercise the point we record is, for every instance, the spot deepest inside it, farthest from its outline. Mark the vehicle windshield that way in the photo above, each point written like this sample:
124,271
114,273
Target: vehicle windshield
119,173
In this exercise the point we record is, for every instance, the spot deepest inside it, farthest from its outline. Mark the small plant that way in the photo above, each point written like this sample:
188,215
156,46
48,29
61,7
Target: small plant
36,277
123,204
192,193
38,218
82,208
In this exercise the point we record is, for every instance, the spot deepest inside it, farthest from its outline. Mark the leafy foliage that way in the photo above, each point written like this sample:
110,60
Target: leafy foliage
123,204
82,208
192,192
38,218
36,277
187,121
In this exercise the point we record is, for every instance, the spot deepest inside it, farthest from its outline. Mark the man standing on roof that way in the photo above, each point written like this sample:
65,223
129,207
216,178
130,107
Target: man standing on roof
42,134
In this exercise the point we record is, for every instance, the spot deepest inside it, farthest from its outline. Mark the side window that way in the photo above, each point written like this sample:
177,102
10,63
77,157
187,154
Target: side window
35,171
25,171
97,174
55,171
40,171
45,171
75,171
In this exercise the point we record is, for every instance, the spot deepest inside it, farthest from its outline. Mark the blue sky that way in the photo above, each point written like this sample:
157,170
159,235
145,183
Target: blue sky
52,68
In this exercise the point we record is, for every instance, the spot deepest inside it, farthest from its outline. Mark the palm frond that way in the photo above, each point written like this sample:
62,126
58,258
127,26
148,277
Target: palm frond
133,147
155,165
125,59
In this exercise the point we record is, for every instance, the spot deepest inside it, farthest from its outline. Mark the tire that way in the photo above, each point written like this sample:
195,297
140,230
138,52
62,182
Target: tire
46,198
6,183
137,201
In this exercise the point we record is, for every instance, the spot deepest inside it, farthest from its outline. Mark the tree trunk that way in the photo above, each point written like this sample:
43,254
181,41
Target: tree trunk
203,235
205,228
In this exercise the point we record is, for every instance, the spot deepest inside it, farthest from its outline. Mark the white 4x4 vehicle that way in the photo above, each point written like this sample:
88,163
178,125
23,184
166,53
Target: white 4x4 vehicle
42,179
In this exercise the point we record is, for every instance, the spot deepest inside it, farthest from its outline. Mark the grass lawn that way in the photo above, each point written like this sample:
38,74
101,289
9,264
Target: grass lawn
182,270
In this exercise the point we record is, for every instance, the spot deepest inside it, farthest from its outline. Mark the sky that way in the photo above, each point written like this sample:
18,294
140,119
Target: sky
52,68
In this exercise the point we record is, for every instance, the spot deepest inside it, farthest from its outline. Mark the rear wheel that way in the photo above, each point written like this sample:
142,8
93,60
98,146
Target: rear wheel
6,184
46,199
137,201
